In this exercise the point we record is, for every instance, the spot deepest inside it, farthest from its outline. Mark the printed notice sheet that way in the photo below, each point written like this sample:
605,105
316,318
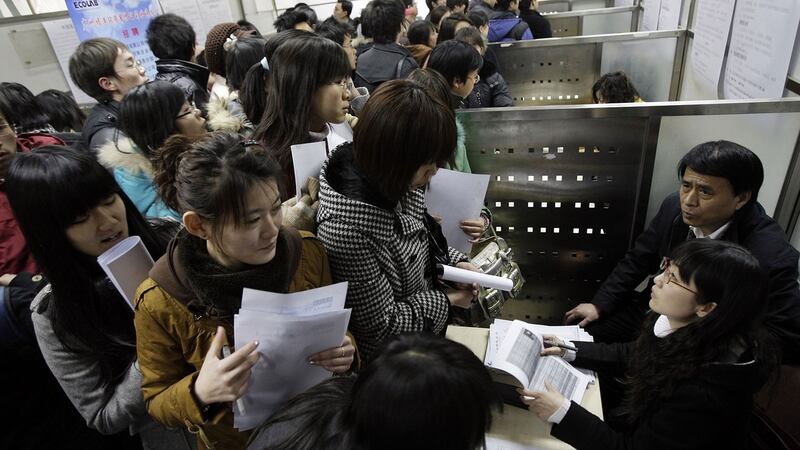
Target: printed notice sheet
712,26
307,160
762,38
669,14
456,196
65,40
289,329
652,8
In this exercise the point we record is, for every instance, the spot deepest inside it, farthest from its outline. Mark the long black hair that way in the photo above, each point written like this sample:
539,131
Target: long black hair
298,68
253,91
441,397
731,277
148,112
22,111
63,112
48,189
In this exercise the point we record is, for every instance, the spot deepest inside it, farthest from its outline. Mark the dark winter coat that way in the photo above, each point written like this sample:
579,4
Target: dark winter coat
491,90
539,25
381,63
191,78
101,125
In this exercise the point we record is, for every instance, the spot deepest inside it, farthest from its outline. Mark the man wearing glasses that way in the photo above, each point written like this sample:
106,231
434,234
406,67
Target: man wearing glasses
717,199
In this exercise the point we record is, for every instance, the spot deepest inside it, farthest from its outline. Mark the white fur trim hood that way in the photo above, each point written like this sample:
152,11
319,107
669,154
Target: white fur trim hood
124,154
220,118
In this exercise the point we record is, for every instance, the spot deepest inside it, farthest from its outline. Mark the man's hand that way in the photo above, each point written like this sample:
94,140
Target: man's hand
585,312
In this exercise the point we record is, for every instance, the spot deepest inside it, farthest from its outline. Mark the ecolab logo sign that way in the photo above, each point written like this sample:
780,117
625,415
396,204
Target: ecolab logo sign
85,4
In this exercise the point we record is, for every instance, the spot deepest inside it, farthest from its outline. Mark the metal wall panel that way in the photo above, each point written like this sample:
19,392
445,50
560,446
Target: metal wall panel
563,195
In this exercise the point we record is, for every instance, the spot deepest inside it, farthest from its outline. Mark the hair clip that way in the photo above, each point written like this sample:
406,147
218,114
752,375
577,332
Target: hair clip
230,41
249,143
264,63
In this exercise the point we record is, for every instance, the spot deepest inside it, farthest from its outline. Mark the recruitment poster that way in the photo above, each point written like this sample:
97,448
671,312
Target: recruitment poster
123,20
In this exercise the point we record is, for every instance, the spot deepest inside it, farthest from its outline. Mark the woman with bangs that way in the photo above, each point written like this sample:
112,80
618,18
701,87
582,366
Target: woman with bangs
228,194
692,373
308,99
71,210
372,217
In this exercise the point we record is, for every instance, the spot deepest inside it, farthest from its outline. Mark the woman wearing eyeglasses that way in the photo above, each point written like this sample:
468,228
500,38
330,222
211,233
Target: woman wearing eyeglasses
148,115
691,374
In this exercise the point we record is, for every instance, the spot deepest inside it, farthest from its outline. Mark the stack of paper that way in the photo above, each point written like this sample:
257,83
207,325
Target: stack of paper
456,196
127,264
289,329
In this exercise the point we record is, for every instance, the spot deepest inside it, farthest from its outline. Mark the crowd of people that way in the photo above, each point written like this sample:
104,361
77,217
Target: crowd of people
197,163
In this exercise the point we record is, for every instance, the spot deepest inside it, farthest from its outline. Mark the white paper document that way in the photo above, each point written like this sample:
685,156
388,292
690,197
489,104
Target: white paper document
65,40
652,9
712,25
307,160
127,264
303,303
455,274
456,196
519,355
283,371
762,38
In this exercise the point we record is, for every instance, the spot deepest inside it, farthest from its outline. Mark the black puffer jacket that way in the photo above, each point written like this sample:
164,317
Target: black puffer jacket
191,78
491,90
101,125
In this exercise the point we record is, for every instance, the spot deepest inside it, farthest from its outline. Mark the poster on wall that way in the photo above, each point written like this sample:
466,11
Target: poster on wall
652,8
64,40
201,14
712,26
123,20
762,37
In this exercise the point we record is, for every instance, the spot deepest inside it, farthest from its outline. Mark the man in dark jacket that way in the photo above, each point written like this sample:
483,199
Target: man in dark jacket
717,200
539,25
106,70
386,60
505,25
491,90
484,6
172,40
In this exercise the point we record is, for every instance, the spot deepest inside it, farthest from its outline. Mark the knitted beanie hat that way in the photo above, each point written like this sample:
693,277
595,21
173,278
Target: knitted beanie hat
215,55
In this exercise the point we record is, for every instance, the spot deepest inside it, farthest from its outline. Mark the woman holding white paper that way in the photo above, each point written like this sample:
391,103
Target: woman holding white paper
693,371
228,193
71,210
372,215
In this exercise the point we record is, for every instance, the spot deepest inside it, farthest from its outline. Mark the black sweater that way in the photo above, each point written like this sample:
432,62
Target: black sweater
712,410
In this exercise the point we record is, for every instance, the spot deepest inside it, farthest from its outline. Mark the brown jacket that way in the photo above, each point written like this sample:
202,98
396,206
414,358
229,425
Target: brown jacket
172,342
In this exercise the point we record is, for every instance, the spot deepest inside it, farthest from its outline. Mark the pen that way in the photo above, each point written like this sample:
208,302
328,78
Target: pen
564,346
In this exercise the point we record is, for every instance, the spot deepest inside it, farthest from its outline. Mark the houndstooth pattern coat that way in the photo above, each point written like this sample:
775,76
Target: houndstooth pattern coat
383,256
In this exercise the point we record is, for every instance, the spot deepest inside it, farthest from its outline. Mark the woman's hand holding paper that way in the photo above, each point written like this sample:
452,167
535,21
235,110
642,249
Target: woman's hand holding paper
338,359
543,404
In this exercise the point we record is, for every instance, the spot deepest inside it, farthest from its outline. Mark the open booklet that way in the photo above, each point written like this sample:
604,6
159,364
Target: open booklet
499,328
518,362
127,264
289,328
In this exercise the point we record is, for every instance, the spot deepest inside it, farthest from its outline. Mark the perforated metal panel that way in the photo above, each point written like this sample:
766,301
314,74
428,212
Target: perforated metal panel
550,75
563,195
562,71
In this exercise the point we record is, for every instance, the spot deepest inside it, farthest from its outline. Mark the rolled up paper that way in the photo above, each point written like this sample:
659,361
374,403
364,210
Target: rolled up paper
450,273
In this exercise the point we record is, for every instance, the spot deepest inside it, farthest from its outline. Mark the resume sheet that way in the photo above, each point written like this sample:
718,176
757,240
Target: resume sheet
712,26
456,196
762,38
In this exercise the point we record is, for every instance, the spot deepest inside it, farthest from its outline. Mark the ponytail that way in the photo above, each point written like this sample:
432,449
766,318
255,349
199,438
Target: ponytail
252,93
168,156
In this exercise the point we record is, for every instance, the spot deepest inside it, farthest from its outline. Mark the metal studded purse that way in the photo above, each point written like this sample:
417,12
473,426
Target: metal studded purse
494,257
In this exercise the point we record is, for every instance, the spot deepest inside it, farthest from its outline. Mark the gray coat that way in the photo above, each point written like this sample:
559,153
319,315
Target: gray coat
108,409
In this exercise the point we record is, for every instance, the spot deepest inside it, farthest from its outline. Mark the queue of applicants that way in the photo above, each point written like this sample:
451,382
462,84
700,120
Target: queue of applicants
208,208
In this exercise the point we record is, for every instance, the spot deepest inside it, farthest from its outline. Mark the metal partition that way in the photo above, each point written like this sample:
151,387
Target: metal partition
594,21
554,6
562,71
570,187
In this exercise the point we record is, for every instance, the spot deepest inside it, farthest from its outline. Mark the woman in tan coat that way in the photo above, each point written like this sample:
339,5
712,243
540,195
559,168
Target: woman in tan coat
228,195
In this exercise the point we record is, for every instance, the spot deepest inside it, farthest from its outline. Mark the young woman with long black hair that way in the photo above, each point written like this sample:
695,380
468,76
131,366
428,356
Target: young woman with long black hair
229,197
308,92
148,115
692,373
71,210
